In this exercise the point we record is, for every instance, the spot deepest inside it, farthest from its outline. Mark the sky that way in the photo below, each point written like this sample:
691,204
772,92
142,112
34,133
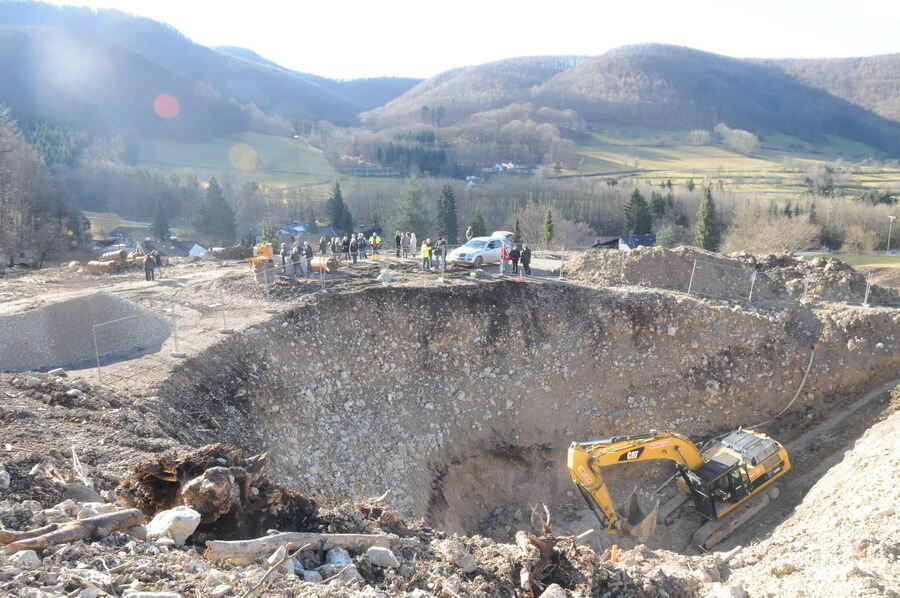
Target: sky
348,38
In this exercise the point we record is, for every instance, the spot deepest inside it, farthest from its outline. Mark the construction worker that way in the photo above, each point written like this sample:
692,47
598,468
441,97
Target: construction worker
425,254
375,242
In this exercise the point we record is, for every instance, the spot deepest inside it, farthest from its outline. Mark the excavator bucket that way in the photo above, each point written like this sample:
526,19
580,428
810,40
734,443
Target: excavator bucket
639,513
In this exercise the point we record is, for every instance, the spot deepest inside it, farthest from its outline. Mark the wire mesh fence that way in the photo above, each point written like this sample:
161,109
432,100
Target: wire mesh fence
718,281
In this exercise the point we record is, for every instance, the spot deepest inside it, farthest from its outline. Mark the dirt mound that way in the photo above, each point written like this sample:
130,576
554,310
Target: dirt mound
766,280
844,538
463,399
62,333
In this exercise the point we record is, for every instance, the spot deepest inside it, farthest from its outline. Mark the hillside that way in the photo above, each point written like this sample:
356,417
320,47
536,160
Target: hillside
103,88
659,86
365,94
464,91
871,82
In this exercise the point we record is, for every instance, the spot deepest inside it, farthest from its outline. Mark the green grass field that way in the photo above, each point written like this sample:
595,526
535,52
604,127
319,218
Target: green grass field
656,156
248,156
855,259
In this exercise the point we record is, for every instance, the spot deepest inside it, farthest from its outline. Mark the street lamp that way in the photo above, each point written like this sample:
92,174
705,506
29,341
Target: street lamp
890,226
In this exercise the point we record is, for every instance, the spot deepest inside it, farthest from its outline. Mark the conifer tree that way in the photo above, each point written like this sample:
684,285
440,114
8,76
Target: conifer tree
478,227
548,228
517,234
338,214
447,219
215,219
413,213
160,226
707,235
638,220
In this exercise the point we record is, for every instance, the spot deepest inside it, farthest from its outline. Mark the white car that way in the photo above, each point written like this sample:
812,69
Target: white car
481,250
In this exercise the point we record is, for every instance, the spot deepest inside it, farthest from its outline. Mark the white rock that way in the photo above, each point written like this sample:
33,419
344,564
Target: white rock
382,557
731,591
553,591
4,479
87,593
311,576
287,567
134,594
457,554
338,556
220,590
177,523
27,559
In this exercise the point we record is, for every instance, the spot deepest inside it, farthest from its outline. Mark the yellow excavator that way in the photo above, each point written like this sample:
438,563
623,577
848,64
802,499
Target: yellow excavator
729,482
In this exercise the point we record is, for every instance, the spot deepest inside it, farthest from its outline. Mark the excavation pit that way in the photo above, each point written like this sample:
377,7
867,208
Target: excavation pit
462,399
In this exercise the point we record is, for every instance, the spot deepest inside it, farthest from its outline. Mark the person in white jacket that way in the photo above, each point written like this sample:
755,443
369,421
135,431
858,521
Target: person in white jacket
412,243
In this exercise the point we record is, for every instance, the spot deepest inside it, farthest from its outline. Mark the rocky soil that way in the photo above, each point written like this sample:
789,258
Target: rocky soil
458,395
462,400
779,279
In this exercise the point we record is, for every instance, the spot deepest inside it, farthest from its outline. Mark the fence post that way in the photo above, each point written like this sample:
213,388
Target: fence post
806,287
97,352
225,329
622,267
176,352
322,272
752,283
868,286
691,282
562,262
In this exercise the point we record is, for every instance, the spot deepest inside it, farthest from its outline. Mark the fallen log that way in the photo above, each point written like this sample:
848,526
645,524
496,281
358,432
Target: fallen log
7,536
244,552
89,528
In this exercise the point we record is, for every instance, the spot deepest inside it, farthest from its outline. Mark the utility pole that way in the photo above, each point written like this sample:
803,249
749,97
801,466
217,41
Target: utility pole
890,226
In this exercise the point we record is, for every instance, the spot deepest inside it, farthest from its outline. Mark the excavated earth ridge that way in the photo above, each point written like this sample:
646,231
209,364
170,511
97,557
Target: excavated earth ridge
462,399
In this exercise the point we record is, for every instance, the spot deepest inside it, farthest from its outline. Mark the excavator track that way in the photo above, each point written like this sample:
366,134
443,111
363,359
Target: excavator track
716,530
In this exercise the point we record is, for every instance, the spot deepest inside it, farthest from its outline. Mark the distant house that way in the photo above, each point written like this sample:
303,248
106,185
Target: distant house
630,242
131,235
197,250
173,248
494,168
299,232
606,243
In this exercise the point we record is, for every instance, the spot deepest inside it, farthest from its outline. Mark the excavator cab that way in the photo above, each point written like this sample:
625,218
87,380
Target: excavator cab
717,485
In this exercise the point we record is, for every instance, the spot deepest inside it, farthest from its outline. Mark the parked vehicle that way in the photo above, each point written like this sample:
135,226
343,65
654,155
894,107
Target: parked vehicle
480,251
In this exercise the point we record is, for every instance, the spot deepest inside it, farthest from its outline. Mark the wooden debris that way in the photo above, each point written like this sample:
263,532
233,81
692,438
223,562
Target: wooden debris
243,552
90,528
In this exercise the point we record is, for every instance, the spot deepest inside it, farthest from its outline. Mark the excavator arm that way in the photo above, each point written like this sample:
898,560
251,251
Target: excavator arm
586,460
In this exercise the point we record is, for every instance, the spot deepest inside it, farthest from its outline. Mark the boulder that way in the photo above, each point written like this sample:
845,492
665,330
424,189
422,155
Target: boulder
457,554
26,559
554,591
382,557
178,524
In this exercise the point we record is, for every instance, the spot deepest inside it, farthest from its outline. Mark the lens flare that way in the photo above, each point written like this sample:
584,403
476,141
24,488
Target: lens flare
244,157
166,106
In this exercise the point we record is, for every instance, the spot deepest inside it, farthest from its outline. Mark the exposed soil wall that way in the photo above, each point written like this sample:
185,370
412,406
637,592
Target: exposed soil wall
462,399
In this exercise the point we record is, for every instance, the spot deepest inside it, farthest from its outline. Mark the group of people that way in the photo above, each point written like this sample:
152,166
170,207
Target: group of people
152,261
518,253
404,244
434,254
351,247
300,257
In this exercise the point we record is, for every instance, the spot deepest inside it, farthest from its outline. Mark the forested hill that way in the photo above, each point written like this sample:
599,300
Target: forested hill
871,82
125,61
652,86
366,94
